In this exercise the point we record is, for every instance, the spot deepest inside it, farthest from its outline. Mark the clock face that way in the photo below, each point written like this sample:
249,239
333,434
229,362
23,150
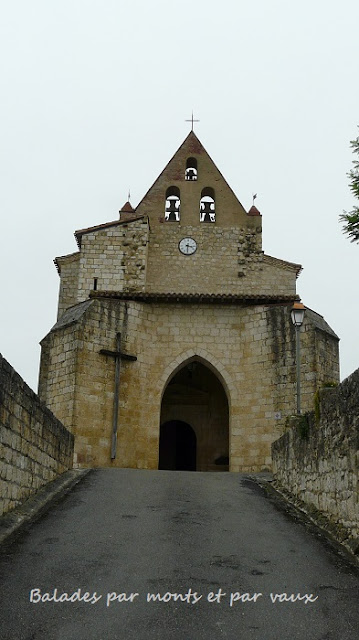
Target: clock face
187,246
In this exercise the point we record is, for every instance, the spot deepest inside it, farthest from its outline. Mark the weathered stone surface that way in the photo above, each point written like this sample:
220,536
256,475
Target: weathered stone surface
34,446
319,465
250,348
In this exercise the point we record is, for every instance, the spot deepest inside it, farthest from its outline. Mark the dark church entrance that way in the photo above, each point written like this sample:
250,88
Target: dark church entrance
178,446
194,432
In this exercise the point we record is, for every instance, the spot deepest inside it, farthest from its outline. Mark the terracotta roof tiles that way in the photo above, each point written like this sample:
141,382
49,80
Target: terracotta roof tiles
196,297
127,208
253,211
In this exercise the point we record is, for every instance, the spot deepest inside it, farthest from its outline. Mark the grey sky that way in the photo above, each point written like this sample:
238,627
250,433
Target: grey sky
94,99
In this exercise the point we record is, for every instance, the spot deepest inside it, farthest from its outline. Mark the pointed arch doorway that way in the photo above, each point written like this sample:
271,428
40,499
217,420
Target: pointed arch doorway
194,425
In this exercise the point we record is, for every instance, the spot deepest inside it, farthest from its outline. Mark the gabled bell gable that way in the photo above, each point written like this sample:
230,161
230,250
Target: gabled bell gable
228,209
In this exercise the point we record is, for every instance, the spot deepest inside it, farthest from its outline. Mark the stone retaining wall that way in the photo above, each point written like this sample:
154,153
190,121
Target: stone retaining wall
35,447
317,459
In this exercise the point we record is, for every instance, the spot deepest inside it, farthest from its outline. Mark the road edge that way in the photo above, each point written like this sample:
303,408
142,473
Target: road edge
305,513
36,505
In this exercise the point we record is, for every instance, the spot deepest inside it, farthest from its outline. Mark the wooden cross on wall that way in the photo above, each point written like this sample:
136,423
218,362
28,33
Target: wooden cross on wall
118,355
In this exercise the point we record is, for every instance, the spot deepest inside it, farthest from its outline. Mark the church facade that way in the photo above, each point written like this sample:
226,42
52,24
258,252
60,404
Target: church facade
174,346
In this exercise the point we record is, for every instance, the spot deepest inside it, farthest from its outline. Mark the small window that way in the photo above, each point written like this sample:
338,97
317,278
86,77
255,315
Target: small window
207,205
95,284
191,169
173,204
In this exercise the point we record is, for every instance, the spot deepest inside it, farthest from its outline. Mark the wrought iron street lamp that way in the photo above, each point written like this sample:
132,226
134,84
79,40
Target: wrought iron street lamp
297,315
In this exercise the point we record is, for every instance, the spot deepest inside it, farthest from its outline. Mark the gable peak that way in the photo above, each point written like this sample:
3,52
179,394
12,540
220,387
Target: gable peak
193,143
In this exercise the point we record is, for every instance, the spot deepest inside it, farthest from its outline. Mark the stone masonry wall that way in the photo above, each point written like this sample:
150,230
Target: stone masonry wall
69,266
227,260
319,463
34,446
59,369
251,349
115,256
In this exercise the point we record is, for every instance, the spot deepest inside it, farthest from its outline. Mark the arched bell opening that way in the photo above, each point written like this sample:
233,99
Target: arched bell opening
173,204
207,205
194,397
191,172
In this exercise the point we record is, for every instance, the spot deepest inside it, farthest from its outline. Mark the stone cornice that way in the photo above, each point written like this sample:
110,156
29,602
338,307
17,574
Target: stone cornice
201,298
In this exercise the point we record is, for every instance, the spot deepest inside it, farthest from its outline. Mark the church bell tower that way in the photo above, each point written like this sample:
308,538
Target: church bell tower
174,347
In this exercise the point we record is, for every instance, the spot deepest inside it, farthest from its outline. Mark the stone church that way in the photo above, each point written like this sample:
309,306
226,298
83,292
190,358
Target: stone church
174,346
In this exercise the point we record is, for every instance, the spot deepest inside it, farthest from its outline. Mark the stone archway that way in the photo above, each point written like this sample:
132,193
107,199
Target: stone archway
195,396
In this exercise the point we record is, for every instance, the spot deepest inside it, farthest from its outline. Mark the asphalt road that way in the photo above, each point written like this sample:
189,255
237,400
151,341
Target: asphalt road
184,536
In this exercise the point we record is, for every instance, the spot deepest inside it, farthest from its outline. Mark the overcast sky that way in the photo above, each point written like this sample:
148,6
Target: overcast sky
94,100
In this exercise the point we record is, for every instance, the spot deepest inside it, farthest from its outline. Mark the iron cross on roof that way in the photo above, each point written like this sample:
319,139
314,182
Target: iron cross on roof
192,120
118,355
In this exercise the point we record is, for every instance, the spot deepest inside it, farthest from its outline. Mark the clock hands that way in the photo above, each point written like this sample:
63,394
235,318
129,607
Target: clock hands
187,246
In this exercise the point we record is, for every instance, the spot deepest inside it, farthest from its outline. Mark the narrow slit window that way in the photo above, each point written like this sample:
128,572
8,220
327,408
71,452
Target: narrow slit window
95,284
